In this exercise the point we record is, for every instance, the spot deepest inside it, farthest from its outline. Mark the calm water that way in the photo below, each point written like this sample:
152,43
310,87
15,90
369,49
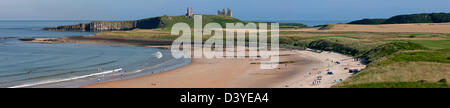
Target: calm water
25,64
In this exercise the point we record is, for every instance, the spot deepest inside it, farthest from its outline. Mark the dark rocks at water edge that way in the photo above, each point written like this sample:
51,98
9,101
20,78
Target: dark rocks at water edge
26,39
95,26
41,40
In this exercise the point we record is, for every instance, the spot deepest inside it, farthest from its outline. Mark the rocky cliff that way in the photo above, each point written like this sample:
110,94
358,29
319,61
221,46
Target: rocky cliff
96,26
162,22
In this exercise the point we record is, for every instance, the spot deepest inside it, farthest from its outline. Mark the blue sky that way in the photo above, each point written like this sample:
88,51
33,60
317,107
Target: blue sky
243,9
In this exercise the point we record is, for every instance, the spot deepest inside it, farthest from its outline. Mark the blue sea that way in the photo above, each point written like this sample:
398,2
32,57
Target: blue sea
24,64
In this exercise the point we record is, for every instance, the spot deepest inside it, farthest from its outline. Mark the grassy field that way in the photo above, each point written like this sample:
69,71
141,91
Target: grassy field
139,34
395,59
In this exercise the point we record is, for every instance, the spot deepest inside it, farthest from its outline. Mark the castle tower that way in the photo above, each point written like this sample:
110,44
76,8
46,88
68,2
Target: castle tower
223,12
229,13
189,12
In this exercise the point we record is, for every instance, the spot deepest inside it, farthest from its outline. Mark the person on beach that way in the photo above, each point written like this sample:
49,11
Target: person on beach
121,76
98,79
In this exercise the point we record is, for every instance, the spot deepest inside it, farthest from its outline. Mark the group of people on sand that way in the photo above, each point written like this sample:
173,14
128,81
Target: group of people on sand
317,80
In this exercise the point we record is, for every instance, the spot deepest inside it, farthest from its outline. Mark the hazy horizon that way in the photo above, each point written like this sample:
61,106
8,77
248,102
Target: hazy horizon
245,10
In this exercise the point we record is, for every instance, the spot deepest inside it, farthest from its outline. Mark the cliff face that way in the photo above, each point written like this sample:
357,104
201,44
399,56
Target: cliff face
97,26
77,27
109,26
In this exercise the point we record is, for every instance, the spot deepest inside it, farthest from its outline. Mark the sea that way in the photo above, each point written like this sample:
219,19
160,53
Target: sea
67,65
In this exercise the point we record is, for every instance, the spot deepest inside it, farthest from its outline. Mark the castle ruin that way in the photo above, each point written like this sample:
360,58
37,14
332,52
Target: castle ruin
225,13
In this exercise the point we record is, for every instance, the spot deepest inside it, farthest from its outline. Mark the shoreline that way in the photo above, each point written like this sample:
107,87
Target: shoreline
101,41
114,74
77,81
241,73
233,73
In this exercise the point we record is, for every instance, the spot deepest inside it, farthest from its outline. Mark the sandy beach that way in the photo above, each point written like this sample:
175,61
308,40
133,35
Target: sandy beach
306,67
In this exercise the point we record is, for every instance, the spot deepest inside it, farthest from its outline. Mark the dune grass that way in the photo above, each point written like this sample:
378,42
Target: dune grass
401,72
434,44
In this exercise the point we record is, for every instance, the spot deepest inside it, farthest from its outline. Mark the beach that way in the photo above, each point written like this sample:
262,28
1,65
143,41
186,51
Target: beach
305,68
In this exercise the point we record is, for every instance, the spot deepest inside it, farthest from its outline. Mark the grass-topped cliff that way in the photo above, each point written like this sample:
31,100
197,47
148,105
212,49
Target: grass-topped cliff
162,22
411,18
168,21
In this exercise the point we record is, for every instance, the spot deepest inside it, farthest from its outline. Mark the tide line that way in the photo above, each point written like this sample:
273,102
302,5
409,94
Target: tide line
68,79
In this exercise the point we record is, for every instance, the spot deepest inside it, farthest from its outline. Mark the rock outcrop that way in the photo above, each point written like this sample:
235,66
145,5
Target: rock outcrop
77,27
225,13
148,23
97,26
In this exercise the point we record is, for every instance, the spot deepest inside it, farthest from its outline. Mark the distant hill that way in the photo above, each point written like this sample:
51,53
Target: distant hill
162,22
411,18
368,21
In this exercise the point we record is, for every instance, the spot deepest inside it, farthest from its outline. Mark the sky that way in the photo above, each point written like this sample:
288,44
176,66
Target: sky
242,9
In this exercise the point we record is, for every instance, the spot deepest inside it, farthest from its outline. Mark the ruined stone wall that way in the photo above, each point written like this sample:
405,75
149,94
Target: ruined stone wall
220,13
229,13
225,13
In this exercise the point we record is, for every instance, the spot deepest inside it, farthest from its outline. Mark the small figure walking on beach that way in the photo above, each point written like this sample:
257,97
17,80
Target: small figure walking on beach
121,76
316,82
98,79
